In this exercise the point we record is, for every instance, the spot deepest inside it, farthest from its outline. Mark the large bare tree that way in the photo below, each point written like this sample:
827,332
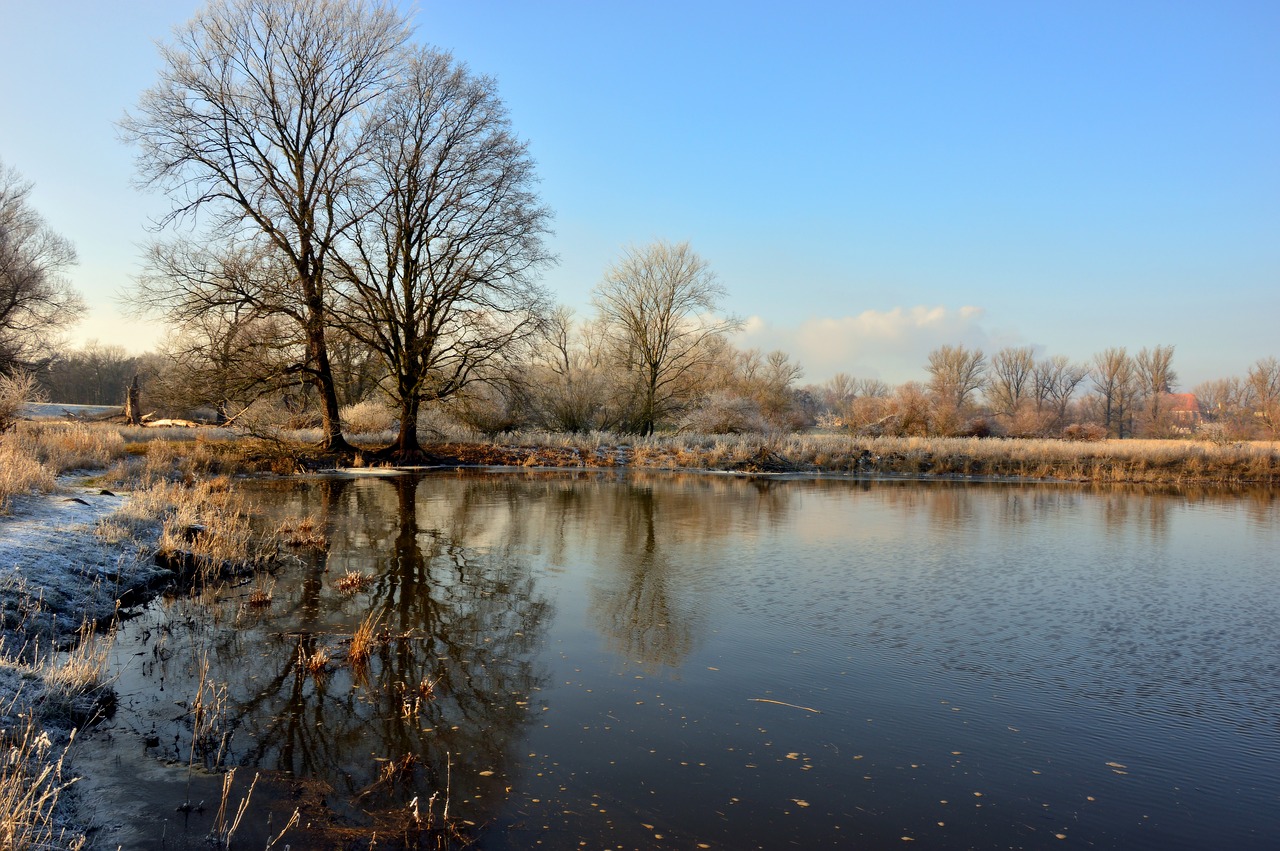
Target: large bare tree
955,373
442,269
1054,381
1114,378
1011,380
36,300
659,305
1155,377
255,123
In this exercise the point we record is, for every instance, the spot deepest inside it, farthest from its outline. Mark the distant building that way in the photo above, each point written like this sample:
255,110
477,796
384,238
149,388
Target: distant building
1184,411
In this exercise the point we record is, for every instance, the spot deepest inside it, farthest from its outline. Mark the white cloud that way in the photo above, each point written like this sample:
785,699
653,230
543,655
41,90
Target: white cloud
891,345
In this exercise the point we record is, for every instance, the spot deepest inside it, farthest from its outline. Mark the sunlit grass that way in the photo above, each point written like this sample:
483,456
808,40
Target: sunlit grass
1158,461
32,779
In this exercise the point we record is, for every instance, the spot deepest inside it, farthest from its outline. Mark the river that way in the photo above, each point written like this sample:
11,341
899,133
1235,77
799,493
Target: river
623,660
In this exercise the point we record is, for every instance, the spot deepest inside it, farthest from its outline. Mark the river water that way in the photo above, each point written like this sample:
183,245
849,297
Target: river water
608,660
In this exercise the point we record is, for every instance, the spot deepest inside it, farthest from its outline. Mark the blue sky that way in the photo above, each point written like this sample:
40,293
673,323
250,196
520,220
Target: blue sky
868,179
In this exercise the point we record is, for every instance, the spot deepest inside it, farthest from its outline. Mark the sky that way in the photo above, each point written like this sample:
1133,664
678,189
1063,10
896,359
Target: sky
868,180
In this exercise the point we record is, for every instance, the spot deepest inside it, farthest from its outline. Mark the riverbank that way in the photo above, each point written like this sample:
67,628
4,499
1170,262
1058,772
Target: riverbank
1159,462
75,558
58,578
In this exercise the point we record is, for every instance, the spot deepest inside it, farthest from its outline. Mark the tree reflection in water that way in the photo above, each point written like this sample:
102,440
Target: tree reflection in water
642,616
465,619
648,606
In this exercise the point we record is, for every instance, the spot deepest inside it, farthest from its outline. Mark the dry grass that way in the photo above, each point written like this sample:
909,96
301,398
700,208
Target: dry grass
20,473
412,699
204,529
303,532
363,641
261,595
32,455
75,682
315,663
31,781
1150,461
60,689
354,581
400,770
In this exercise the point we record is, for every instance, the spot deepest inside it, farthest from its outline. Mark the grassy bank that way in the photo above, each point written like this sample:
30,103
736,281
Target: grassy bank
76,556
1162,462
35,454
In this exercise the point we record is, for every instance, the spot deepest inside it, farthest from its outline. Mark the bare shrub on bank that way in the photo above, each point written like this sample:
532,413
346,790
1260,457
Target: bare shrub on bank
17,390
370,417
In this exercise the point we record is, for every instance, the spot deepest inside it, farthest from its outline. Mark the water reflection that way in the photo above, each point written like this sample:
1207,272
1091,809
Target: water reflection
463,618
980,634
642,603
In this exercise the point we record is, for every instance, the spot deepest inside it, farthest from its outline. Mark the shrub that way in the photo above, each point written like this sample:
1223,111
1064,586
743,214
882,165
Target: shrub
725,413
16,391
368,417
1090,432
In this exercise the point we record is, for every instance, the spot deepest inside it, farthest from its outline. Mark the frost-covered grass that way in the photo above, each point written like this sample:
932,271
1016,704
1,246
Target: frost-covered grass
1163,461
68,555
46,696
31,782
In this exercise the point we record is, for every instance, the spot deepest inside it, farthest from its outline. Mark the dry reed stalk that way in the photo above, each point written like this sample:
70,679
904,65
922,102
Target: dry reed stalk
261,595
303,532
353,581
30,785
363,641
223,832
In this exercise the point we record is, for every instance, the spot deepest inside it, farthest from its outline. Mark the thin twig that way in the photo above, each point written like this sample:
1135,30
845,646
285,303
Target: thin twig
780,703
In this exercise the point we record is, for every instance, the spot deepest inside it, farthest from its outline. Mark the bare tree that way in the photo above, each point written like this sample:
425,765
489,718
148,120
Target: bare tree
256,122
956,372
92,375
442,270
1263,382
1224,403
838,392
1012,379
658,304
1153,372
231,318
1114,378
1218,397
1054,382
36,301
571,374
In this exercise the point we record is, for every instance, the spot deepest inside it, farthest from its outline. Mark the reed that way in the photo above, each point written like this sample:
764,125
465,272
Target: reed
32,779
315,663
303,533
353,581
261,595
363,641
1143,461
76,686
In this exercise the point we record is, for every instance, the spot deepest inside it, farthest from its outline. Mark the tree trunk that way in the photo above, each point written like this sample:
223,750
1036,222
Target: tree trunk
407,445
132,413
331,423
